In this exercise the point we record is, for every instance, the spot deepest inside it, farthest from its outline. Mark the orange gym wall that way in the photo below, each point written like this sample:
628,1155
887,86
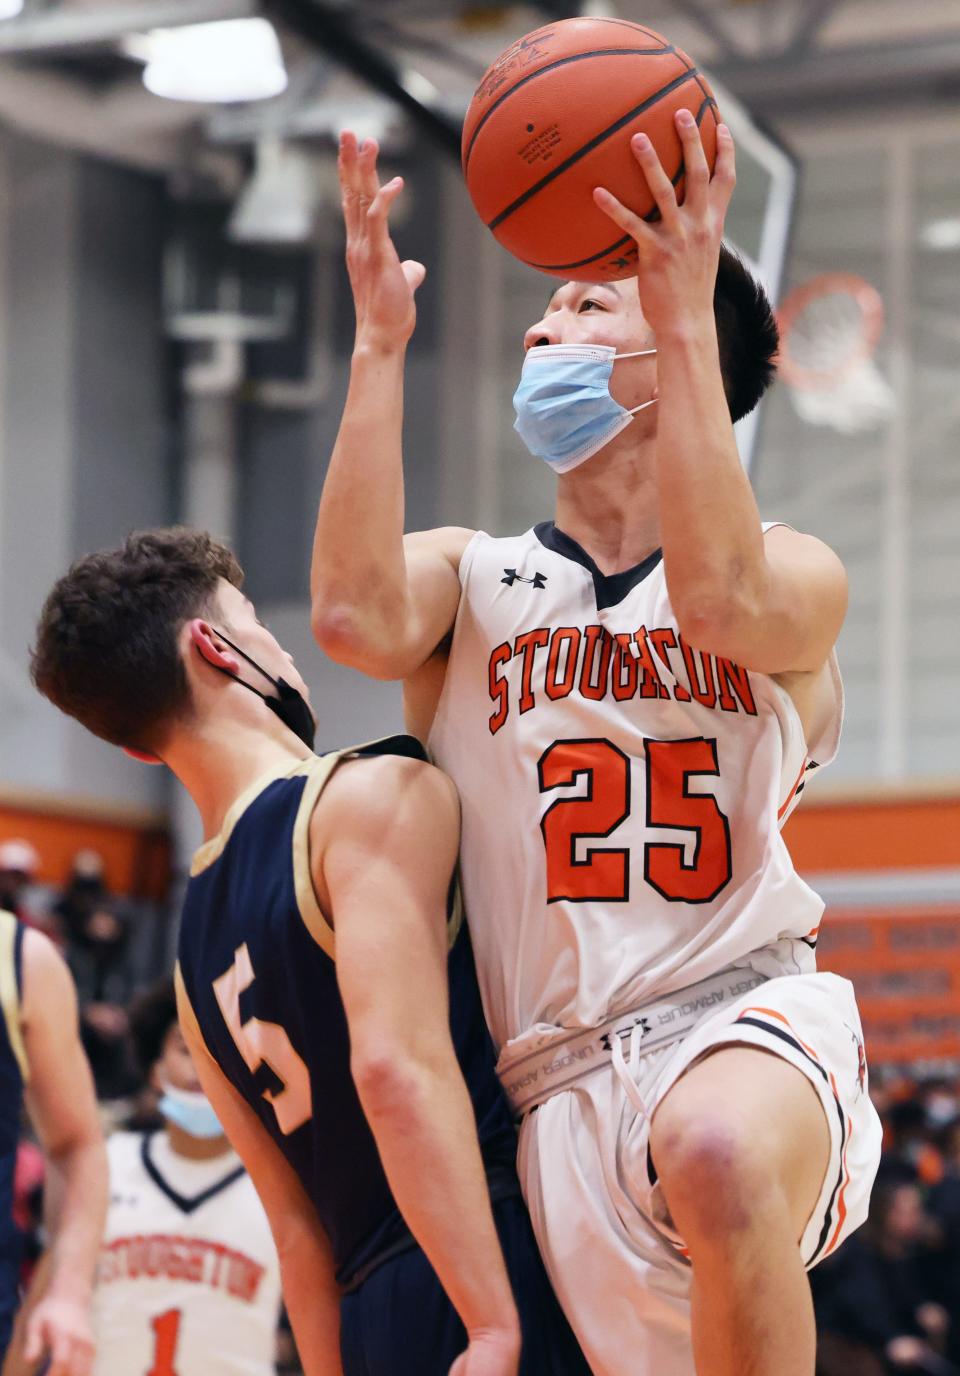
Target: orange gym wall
135,844
897,832
904,959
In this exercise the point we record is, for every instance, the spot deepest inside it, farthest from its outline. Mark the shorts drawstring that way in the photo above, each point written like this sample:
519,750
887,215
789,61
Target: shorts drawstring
626,1073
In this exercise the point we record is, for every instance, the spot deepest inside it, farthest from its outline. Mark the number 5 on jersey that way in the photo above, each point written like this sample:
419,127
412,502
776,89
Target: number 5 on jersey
265,1043
603,875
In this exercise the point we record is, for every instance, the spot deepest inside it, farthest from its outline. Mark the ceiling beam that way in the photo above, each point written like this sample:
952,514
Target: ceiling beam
56,29
328,29
844,75
713,27
812,20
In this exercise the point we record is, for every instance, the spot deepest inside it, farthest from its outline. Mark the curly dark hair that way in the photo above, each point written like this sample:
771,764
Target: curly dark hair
746,332
106,647
152,1013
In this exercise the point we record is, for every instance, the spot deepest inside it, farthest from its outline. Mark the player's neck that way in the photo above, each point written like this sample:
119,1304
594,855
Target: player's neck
222,759
196,1148
609,506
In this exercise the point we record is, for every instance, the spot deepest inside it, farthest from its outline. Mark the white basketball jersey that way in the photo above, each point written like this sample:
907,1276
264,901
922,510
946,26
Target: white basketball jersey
188,1282
622,792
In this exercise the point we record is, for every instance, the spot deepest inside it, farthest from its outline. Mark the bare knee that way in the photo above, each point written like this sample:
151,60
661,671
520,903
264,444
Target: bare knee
717,1177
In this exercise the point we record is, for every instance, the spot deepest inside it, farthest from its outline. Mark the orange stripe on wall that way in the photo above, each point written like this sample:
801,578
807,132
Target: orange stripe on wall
136,854
874,834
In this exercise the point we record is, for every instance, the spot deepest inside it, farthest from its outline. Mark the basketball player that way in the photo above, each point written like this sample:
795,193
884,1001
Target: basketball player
629,700
42,1065
313,974
188,1279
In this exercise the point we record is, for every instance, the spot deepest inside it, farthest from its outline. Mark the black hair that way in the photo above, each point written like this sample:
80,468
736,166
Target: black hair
746,332
107,642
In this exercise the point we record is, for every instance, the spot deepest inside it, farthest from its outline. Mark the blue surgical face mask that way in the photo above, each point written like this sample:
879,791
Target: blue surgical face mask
565,412
191,1111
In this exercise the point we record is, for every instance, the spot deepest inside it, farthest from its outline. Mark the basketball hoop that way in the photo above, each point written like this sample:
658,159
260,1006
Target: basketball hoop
829,331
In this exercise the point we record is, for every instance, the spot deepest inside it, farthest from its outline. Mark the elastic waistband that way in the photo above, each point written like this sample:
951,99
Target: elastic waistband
531,1078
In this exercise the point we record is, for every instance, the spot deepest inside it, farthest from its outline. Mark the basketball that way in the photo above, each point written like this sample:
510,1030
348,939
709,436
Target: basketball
553,118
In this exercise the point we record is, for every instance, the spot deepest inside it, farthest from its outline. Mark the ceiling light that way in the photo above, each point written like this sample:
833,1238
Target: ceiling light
230,60
9,9
942,235
279,203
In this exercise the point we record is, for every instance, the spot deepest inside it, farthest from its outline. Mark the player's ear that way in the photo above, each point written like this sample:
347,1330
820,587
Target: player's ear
142,755
211,646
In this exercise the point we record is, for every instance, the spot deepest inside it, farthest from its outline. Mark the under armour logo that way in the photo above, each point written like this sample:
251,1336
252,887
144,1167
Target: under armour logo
861,1060
539,580
606,1041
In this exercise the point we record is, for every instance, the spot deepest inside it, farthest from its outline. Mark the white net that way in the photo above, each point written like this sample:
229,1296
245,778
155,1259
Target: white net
862,400
830,328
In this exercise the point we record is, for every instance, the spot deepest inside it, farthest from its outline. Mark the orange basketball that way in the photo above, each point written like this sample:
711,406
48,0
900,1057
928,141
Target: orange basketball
552,119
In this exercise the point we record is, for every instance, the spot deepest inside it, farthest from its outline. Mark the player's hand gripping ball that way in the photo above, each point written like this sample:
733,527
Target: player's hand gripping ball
553,118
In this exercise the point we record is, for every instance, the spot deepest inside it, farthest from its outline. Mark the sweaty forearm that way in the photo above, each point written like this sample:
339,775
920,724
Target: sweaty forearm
358,572
75,1206
426,1132
709,523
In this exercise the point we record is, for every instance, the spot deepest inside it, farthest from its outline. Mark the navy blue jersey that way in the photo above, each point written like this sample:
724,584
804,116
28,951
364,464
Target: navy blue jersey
256,961
13,1078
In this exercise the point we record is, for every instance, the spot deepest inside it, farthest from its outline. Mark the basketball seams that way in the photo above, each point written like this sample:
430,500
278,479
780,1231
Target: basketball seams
552,66
590,145
708,103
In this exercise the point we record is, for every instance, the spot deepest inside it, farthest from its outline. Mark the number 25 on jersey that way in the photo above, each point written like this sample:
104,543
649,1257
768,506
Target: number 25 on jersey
603,874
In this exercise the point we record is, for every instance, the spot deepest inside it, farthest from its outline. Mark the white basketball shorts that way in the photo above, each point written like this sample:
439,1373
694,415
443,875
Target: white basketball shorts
616,1263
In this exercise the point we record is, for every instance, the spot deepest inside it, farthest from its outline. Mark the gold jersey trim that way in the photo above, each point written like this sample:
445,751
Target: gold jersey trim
205,855
314,918
10,994
318,770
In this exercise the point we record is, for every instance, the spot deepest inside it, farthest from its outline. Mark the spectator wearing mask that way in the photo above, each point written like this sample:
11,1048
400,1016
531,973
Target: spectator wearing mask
874,1313
19,867
188,1280
97,934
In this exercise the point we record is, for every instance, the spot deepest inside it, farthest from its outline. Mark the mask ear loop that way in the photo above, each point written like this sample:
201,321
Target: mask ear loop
261,671
637,353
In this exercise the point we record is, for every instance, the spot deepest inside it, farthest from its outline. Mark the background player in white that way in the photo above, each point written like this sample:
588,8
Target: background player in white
42,1037
569,701
189,1281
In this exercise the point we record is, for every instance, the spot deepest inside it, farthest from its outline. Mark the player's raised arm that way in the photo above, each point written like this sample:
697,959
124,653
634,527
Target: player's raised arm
774,604
384,868
377,604
306,1260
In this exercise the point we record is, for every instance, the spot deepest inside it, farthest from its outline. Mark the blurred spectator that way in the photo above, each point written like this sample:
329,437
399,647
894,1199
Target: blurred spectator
912,1140
944,1208
19,865
96,933
940,1103
189,1279
28,1178
874,1311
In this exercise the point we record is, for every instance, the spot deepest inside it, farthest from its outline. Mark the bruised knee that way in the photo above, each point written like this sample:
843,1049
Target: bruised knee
717,1177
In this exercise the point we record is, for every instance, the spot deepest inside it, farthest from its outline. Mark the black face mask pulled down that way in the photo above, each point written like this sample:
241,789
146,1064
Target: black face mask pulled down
289,705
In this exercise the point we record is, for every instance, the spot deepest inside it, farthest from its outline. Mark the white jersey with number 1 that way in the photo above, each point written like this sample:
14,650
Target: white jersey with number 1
622,792
188,1282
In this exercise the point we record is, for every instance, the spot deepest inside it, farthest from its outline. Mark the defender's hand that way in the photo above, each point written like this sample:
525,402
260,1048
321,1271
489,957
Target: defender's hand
492,1353
62,1329
677,255
383,287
